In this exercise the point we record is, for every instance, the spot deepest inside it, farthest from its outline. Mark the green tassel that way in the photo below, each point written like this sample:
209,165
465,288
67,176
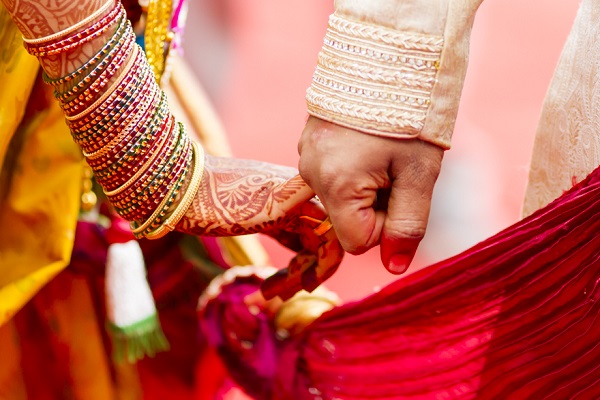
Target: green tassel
134,342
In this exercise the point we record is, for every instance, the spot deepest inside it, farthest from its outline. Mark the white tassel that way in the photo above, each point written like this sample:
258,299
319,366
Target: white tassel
128,297
132,316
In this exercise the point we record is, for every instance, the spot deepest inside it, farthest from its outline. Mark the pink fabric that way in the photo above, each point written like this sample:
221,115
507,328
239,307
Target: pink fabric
245,341
516,316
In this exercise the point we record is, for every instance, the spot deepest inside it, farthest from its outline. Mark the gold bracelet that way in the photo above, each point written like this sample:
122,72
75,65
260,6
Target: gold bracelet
185,203
72,28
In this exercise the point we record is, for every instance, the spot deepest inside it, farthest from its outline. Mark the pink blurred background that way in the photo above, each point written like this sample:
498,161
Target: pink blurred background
256,60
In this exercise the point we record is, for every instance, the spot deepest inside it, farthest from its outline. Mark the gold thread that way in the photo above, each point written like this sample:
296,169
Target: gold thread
323,227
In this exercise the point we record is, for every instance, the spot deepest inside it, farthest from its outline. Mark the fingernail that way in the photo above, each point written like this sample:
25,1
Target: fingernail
399,263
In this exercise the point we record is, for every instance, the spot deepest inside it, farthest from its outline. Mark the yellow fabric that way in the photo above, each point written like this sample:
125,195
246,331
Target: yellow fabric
17,74
39,202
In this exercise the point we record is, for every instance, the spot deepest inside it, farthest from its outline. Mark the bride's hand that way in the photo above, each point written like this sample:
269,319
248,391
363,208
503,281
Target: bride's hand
238,197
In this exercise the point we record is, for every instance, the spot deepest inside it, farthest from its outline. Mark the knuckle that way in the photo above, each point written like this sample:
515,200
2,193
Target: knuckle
353,248
422,172
305,169
406,228
418,170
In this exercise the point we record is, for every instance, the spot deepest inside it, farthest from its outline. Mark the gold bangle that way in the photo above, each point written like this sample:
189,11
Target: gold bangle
72,28
185,203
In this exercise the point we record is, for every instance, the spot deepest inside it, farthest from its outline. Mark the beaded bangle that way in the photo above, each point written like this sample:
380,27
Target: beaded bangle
80,39
72,28
123,126
125,93
106,94
175,153
132,147
96,83
154,178
185,164
124,171
166,201
154,174
84,36
92,85
185,203
139,231
127,130
166,143
145,204
154,152
120,44
98,140
117,111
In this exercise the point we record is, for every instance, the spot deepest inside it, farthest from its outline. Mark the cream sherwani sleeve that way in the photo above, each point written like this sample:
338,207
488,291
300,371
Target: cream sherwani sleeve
394,68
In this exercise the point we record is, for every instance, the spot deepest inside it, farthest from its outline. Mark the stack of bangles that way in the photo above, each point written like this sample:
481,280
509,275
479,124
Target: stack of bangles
141,156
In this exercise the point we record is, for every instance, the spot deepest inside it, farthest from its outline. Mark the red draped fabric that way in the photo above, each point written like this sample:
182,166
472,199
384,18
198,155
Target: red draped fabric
515,317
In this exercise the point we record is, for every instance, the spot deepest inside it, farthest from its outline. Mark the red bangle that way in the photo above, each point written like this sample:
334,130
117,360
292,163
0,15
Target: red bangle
146,202
150,158
140,133
121,110
96,84
77,39
167,143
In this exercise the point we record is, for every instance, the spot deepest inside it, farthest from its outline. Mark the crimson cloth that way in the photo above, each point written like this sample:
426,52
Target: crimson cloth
515,317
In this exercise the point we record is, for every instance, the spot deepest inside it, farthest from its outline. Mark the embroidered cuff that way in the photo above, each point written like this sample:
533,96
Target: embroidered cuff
375,79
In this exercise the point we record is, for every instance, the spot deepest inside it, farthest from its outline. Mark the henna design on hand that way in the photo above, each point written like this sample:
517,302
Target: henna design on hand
43,18
239,197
